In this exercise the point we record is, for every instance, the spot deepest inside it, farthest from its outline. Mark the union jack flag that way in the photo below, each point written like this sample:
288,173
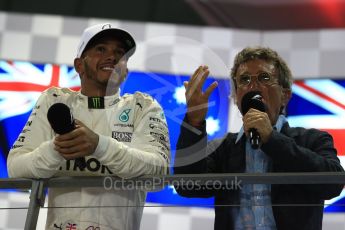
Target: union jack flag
70,226
319,103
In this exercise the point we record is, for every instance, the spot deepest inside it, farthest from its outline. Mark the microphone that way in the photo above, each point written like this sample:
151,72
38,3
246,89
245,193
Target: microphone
61,120
253,100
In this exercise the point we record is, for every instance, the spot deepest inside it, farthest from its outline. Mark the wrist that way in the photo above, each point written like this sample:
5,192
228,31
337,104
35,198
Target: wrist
195,123
265,138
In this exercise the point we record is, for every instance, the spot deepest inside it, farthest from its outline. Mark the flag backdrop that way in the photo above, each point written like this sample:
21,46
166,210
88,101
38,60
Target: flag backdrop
315,103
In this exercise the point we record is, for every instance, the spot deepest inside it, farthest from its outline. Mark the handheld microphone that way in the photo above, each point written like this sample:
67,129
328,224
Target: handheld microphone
61,120
253,100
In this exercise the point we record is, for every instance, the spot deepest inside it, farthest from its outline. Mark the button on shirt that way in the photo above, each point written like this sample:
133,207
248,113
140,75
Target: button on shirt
255,210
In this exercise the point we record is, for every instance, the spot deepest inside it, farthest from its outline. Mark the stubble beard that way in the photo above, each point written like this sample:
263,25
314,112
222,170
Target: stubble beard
92,75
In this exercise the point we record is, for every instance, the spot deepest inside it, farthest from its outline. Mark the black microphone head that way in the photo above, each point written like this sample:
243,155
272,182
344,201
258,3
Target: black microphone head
60,118
253,100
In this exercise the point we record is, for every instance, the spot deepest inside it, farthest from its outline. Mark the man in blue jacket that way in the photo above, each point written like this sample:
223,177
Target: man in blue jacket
259,71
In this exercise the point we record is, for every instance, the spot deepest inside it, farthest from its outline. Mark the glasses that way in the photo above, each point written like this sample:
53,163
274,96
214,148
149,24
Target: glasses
263,78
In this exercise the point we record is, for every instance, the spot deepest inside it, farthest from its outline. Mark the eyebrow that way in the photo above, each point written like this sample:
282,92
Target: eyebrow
260,71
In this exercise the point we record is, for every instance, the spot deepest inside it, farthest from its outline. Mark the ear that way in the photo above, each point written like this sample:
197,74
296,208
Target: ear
126,73
78,65
286,96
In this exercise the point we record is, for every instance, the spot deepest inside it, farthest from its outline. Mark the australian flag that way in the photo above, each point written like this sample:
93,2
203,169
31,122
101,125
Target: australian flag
21,83
316,103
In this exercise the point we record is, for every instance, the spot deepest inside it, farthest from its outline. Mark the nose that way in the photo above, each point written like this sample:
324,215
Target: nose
254,83
110,55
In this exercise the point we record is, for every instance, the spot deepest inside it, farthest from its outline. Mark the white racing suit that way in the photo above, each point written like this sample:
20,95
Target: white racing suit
133,141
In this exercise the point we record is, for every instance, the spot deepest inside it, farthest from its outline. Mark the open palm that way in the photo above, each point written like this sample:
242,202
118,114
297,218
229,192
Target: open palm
197,100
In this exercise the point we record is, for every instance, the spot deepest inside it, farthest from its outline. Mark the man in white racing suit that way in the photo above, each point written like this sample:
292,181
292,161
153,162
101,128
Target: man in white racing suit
124,136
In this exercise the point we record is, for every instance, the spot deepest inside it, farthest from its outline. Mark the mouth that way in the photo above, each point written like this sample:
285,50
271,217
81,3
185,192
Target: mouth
108,68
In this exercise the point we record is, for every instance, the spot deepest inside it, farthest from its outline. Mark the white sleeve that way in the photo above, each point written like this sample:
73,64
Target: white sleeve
149,151
33,154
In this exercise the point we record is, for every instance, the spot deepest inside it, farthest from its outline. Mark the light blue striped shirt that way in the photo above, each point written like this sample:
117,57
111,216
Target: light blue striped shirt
255,210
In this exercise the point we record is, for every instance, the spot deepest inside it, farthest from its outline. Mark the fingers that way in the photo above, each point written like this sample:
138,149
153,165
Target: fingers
210,89
74,148
70,150
252,111
185,83
71,139
80,142
73,134
67,150
72,155
68,136
253,115
195,74
255,119
67,143
203,76
196,82
199,73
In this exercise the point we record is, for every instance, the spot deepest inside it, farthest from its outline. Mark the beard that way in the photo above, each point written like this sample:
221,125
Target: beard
92,75
110,83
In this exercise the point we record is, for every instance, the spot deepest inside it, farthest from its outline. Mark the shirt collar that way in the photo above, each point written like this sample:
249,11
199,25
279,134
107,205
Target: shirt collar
108,101
278,126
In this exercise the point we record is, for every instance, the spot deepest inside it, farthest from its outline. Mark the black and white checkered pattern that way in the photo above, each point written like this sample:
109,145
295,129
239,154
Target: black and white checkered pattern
155,217
172,48
13,210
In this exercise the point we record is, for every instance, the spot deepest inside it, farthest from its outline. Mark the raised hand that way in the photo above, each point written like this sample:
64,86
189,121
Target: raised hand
197,100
